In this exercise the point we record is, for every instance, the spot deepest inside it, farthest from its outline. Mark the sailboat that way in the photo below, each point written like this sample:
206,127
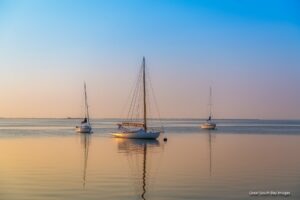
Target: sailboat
136,129
209,124
85,126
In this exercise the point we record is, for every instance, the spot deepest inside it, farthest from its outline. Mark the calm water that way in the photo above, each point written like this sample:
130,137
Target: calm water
45,159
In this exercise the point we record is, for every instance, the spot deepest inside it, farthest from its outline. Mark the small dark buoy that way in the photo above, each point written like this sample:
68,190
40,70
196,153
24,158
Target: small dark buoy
165,139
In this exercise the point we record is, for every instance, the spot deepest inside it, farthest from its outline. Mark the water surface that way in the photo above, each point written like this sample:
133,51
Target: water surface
46,159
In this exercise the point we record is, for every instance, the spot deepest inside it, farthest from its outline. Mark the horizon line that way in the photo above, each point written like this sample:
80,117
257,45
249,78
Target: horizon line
164,118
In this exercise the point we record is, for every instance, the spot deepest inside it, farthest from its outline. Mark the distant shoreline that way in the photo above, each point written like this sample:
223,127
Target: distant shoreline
179,118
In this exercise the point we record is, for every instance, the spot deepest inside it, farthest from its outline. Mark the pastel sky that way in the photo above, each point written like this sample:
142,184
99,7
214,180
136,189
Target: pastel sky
248,51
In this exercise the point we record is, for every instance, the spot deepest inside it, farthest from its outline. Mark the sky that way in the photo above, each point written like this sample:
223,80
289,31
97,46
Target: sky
248,51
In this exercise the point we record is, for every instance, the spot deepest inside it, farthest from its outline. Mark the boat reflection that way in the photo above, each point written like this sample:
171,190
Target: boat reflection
211,140
138,152
85,142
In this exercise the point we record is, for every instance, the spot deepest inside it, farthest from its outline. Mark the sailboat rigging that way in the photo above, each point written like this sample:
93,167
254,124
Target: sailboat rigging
209,124
85,126
136,129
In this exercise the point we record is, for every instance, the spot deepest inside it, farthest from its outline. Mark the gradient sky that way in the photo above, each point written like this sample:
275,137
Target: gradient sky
249,51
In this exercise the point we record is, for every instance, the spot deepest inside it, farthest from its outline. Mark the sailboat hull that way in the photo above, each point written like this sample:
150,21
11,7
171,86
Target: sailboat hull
209,126
141,134
84,128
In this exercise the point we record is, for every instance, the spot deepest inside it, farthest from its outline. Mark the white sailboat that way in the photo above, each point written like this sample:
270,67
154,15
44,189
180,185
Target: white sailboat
135,129
85,126
209,124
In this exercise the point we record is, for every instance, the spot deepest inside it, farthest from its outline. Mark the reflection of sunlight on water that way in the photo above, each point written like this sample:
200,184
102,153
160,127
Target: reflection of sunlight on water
36,128
196,164
259,125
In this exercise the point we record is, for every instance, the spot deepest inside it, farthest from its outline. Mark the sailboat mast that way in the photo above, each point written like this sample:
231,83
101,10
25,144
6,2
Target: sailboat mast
86,104
144,88
210,101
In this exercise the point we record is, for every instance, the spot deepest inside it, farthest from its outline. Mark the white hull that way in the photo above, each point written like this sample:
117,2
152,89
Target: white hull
140,134
84,128
208,125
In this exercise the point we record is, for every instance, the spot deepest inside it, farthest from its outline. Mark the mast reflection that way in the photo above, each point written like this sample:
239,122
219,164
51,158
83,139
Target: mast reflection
211,139
85,142
135,148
